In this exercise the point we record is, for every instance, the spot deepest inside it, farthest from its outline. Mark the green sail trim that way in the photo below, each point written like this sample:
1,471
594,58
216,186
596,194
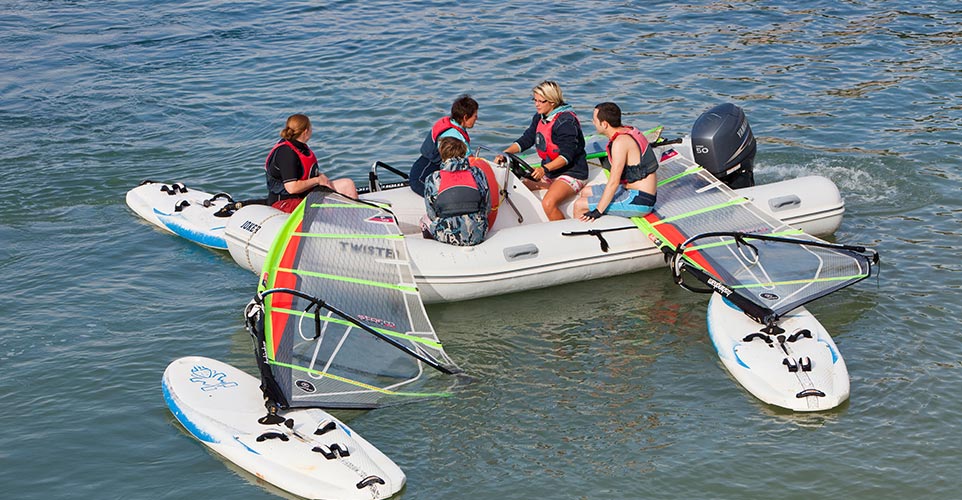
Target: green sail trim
328,319
673,178
730,203
360,384
334,277
386,350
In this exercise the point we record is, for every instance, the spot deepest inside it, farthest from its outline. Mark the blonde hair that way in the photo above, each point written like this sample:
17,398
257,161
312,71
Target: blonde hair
550,91
296,125
449,147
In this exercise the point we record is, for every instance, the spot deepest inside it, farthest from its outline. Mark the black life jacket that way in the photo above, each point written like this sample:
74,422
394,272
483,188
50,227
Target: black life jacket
458,194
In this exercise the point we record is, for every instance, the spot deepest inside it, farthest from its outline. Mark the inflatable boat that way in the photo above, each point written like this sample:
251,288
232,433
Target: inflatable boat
525,251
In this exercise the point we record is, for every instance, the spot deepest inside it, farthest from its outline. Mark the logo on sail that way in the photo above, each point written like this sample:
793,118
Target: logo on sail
382,218
305,386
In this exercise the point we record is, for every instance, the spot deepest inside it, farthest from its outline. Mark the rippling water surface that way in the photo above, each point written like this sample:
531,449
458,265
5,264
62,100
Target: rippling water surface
606,389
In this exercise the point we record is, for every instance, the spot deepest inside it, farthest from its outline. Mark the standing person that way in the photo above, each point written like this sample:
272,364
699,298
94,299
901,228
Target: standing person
632,183
464,114
456,198
556,134
292,168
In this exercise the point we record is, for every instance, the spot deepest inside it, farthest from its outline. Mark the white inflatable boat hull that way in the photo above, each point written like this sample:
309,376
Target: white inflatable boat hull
534,253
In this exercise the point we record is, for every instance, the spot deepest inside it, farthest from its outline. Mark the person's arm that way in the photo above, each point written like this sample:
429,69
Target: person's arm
565,135
301,185
289,166
619,153
527,138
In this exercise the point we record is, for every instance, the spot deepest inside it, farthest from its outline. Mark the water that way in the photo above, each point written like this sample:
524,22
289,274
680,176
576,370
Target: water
608,389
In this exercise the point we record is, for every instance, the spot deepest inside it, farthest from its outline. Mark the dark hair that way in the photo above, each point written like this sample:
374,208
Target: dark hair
449,147
609,112
464,107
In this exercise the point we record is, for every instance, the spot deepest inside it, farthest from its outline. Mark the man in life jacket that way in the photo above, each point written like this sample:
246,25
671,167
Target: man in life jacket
456,198
464,114
632,183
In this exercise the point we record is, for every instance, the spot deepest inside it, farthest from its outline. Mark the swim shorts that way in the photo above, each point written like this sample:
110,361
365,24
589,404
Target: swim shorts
626,203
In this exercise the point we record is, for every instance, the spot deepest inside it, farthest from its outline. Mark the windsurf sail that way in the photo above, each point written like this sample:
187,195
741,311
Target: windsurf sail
338,320
756,261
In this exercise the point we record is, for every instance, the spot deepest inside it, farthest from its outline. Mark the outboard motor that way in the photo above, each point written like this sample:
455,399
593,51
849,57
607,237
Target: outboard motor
723,143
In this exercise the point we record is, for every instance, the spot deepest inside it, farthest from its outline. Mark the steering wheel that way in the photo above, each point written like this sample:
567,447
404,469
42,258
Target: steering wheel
519,167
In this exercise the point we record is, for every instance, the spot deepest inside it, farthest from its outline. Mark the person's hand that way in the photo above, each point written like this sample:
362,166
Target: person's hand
591,216
539,173
500,159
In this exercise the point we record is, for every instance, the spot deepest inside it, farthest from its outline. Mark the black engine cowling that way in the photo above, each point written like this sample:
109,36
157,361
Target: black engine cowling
723,143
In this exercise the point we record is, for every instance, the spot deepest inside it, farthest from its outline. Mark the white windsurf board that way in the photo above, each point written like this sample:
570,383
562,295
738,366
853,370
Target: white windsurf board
311,453
189,213
799,368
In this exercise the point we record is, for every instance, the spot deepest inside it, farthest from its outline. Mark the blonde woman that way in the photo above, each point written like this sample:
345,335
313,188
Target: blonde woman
292,168
556,134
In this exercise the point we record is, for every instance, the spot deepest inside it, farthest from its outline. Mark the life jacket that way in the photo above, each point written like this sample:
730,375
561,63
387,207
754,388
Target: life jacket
458,194
307,161
547,149
430,160
648,164
494,190
443,125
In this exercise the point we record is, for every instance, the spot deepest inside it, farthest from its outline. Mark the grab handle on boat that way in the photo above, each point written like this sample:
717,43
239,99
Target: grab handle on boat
784,202
528,251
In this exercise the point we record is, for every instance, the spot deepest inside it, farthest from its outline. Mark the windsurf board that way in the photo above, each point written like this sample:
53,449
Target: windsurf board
796,365
194,215
308,452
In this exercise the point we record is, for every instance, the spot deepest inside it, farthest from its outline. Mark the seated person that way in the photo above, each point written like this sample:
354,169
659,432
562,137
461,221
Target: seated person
456,198
292,169
556,134
464,114
632,183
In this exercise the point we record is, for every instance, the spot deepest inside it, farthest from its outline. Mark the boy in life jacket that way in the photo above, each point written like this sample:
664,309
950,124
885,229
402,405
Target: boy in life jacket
456,198
632,183
464,114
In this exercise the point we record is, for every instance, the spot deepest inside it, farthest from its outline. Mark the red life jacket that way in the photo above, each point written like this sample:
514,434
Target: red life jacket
550,150
648,163
443,125
307,161
458,194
